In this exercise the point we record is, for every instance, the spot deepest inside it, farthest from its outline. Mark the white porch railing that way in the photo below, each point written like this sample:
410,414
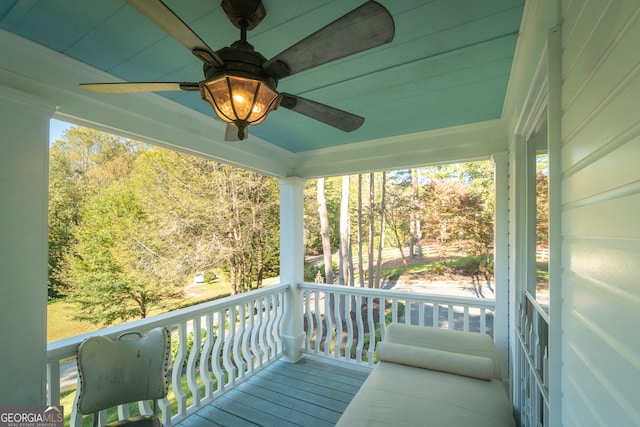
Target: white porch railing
532,349
218,345
339,319
235,336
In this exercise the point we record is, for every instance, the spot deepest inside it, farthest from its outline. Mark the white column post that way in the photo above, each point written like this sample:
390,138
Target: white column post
501,260
24,164
517,254
292,264
554,136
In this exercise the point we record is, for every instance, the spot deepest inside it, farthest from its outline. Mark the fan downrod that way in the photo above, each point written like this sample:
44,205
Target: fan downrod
244,13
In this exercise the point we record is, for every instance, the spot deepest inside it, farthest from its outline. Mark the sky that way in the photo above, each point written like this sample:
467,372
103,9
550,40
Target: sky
56,128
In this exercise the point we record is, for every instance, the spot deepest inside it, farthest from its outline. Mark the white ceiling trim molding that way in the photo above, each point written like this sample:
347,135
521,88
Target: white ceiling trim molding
43,73
455,144
538,16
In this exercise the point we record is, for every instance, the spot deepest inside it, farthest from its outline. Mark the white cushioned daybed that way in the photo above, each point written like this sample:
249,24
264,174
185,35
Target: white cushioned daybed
432,377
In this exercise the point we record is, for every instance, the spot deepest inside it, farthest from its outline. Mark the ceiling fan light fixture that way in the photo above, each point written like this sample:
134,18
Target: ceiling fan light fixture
240,100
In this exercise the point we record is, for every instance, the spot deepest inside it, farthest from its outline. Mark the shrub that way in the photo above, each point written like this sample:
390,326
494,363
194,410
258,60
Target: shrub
438,268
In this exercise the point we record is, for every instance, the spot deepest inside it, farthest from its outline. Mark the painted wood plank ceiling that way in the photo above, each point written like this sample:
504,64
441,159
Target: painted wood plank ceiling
448,64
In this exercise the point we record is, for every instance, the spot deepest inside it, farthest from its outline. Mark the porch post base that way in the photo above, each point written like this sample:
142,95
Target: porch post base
293,347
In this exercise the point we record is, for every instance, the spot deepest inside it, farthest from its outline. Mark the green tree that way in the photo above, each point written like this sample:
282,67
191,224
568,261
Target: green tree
80,164
212,215
333,194
398,202
542,200
116,267
64,203
456,217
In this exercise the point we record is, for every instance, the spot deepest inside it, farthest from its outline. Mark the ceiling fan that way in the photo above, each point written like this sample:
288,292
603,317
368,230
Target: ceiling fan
240,83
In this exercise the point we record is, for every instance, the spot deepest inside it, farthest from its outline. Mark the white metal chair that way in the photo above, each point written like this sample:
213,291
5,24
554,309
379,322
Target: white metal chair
123,371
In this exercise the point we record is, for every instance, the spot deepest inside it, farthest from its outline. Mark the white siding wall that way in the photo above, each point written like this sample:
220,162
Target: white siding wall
601,213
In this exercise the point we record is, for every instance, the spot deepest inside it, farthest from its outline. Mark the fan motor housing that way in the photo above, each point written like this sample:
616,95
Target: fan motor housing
241,60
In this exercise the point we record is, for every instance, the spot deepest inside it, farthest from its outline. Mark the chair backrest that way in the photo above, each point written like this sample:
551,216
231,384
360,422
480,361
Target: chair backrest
127,370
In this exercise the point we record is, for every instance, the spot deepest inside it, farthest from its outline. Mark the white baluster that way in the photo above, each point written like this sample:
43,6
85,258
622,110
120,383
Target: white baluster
264,347
394,311
216,366
450,323
381,313
372,331
123,412
246,337
271,310
360,326
545,364
307,295
238,338
76,418
407,312
278,323
319,323
349,321
436,315
192,362
537,362
207,348
338,314
466,319
227,346
143,406
255,333
53,382
176,374
329,320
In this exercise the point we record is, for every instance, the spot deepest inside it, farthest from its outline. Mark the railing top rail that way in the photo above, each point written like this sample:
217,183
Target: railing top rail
67,346
412,296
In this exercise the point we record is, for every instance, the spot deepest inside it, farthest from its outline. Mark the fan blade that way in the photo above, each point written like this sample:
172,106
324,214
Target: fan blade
366,27
160,14
332,116
108,88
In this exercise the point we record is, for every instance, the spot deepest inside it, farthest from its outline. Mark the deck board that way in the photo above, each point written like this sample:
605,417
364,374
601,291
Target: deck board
310,393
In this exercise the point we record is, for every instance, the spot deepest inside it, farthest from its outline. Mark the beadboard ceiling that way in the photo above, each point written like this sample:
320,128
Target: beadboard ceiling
448,64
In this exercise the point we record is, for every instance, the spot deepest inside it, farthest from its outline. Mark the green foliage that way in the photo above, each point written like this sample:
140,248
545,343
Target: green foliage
458,207
175,345
116,264
438,268
542,199
313,241
221,216
80,165
129,225
478,265
310,272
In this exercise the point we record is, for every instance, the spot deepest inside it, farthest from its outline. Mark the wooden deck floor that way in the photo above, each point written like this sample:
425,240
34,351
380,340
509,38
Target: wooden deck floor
309,393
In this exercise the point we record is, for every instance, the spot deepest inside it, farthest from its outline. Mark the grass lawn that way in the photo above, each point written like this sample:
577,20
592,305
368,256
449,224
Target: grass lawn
61,324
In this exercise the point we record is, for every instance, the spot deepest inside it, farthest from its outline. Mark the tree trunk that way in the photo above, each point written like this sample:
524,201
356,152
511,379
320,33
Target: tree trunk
260,266
351,272
413,213
324,232
381,243
360,262
371,227
232,275
344,232
399,246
